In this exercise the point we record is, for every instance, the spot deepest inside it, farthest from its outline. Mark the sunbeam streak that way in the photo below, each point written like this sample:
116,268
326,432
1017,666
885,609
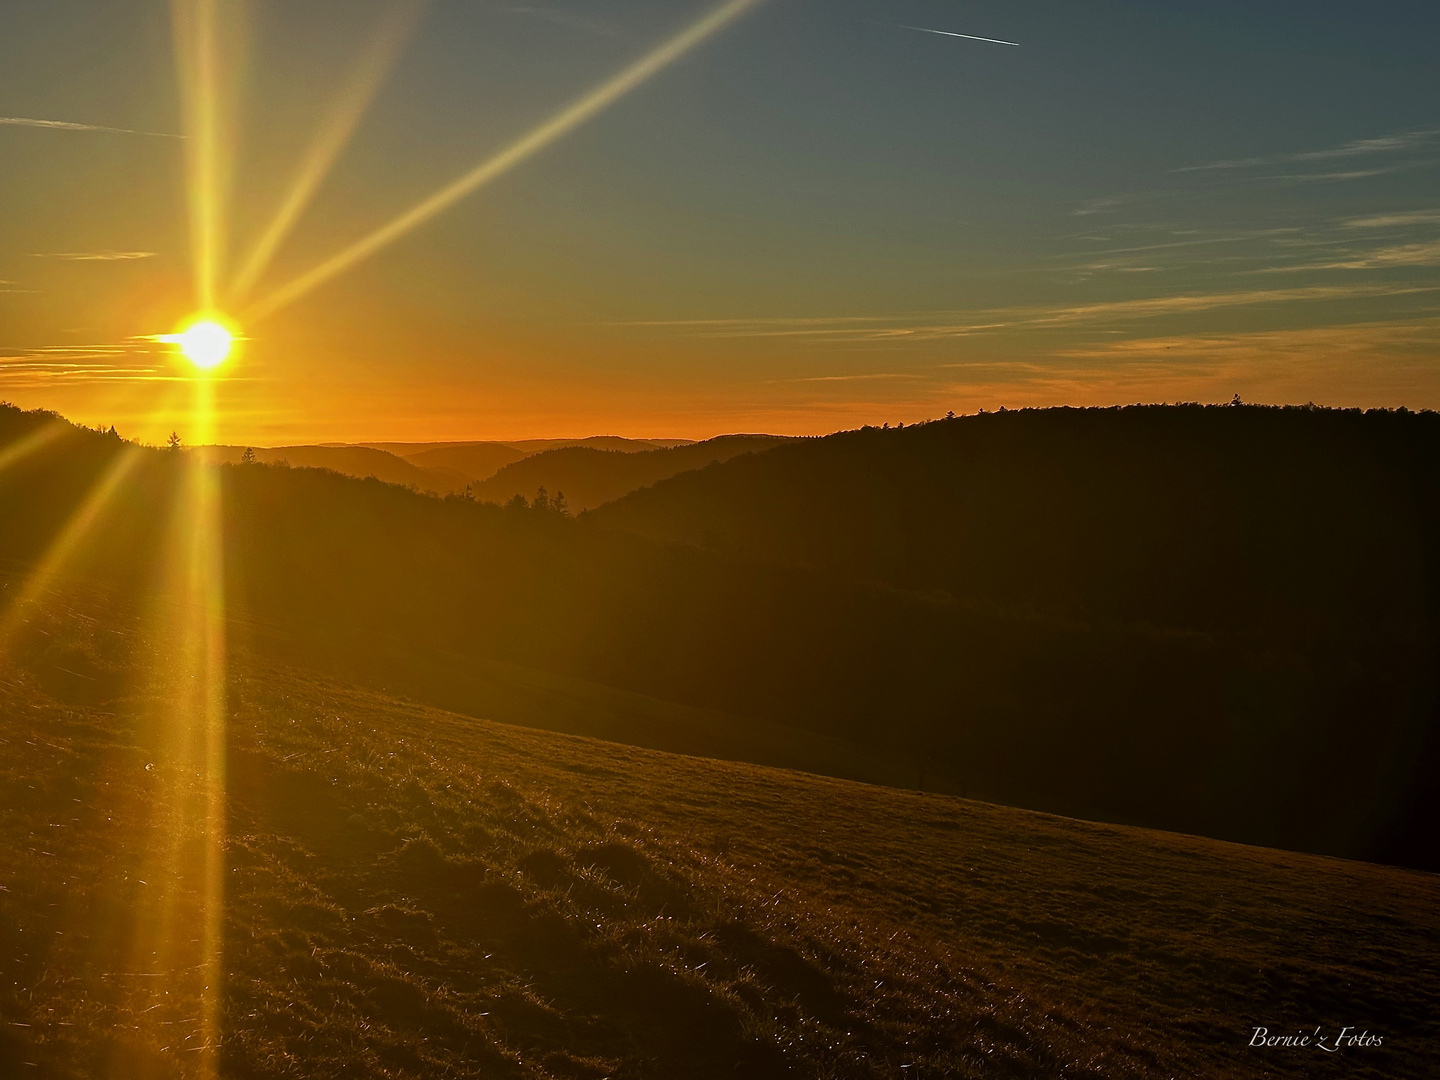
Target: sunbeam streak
37,440
367,78
81,525
562,123
176,939
198,63
197,722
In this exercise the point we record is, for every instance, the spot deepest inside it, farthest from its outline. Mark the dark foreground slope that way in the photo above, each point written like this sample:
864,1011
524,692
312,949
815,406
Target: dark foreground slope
1276,684
410,893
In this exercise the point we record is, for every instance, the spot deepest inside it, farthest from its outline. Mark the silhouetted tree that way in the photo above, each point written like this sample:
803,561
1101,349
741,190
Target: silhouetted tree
542,500
174,441
517,502
248,457
559,505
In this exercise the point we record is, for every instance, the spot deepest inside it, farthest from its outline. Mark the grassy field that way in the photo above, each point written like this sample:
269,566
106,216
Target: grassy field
409,892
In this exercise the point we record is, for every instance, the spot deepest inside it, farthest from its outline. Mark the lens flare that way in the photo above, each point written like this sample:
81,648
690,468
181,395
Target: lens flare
365,81
559,125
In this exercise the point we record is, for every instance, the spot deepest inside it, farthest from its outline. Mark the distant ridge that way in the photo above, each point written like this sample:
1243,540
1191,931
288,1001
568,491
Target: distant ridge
445,468
357,461
590,476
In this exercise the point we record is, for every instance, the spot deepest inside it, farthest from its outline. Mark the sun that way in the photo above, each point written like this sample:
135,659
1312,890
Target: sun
204,342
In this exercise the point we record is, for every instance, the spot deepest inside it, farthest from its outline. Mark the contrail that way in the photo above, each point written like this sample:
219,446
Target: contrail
65,125
562,123
949,33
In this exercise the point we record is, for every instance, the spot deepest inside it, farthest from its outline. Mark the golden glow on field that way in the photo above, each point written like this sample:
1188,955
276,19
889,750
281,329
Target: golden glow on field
206,343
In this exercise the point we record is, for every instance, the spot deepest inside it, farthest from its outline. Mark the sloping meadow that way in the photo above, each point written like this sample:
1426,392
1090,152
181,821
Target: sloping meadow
412,893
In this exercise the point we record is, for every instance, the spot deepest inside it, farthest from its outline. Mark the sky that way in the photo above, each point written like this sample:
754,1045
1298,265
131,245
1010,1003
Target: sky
819,215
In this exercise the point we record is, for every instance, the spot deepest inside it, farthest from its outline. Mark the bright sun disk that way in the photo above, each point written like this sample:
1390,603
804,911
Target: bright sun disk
205,343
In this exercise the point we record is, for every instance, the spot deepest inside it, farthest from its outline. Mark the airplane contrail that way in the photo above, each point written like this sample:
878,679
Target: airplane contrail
950,33
66,125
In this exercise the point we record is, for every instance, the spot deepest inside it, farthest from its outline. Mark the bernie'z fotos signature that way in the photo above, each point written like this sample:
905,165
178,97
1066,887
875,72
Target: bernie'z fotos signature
1346,1038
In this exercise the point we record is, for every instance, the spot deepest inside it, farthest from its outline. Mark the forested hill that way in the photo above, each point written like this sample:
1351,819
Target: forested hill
1191,517
589,476
1220,621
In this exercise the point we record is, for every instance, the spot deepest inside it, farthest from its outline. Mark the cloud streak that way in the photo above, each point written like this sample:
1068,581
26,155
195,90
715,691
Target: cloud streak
101,362
1385,144
66,125
94,256
1404,219
909,328
1420,254
858,378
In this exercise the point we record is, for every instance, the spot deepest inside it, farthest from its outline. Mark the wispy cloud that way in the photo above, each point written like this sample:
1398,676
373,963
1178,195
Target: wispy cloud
66,125
94,256
1322,177
942,325
1351,241
1414,335
1385,144
1404,219
1385,364
1420,254
857,378
129,361
1108,205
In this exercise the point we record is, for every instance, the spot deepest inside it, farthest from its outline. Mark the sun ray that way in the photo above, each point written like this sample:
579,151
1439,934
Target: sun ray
176,940
193,595
197,30
537,139
80,526
34,442
365,81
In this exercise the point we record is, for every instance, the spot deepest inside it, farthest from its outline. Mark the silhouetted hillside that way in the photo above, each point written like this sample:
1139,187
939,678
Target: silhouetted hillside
589,476
1186,517
358,461
440,468
477,461
597,442
1219,621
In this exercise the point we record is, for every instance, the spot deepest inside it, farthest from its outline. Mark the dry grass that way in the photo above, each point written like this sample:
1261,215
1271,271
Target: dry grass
414,893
